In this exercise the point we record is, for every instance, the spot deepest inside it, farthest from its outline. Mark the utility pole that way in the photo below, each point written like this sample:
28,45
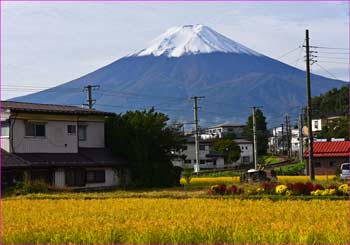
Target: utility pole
283,144
288,136
89,89
311,166
301,141
254,138
275,140
195,109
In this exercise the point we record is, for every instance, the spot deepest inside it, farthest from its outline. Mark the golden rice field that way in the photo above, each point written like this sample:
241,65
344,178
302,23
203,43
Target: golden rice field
235,179
192,220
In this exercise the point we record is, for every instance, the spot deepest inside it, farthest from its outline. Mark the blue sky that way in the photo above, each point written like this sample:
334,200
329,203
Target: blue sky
46,44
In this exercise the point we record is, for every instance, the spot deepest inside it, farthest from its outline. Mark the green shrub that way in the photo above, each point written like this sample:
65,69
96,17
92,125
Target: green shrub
295,169
37,186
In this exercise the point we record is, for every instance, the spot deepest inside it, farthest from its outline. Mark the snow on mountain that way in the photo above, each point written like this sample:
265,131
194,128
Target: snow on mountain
192,39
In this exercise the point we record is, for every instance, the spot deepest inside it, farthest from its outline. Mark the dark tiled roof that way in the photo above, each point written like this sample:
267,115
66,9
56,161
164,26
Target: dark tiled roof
50,108
92,157
331,149
9,160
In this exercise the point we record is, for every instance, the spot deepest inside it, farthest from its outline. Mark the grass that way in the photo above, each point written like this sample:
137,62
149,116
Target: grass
160,221
271,159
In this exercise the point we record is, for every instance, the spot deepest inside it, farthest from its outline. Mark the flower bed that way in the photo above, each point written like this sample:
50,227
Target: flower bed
296,189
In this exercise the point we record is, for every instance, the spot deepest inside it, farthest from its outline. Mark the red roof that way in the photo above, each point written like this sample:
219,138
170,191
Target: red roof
331,149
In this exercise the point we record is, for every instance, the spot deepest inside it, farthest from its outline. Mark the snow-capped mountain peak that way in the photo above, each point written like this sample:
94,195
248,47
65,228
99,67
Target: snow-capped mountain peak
192,39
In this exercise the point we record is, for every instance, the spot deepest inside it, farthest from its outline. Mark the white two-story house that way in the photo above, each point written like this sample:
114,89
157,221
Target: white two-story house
62,145
209,159
220,130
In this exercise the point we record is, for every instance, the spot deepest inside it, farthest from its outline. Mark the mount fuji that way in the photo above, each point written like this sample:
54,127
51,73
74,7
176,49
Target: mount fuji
193,60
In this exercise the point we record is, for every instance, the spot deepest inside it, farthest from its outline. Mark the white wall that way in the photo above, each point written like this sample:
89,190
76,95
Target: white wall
5,143
57,139
111,179
246,151
59,180
95,135
5,140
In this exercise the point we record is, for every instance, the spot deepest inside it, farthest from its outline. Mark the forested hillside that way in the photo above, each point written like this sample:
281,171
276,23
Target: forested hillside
335,101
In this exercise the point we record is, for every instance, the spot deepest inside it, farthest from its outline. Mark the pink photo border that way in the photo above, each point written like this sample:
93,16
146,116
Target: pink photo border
155,1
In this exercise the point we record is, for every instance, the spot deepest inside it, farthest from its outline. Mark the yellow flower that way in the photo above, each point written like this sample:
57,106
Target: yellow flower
332,191
344,188
325,192
317,192
281,189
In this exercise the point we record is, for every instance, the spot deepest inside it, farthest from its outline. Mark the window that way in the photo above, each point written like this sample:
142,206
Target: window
75,177
82,132
71,129
42,174
95,176
246,159
214,162
246,147
317,164
5,128
188,161
316,124
331,163
202,147
201,161
242,147
35,129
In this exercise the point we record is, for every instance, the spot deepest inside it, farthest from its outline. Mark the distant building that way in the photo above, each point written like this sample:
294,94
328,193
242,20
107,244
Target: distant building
209,159
278,141
318,123
220,130
328,156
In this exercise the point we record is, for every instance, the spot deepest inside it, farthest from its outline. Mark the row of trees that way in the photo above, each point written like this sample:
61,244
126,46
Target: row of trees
150,144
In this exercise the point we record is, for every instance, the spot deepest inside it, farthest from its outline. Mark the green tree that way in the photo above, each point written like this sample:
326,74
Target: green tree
333,101
262,133
228,147
146,140
338,128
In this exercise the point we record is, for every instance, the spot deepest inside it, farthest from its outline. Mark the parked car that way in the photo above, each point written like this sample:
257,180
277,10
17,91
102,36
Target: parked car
345,171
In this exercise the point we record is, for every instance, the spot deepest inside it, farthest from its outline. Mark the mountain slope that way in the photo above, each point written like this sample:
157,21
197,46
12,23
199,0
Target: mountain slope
188,61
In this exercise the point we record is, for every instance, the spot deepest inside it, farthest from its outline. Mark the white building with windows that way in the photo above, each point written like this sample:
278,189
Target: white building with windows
63,145
278,140
209,159
218,131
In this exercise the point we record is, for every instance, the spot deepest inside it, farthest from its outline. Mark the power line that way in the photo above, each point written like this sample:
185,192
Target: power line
329,48
332,62
330,57
337,53
327,71
289,52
